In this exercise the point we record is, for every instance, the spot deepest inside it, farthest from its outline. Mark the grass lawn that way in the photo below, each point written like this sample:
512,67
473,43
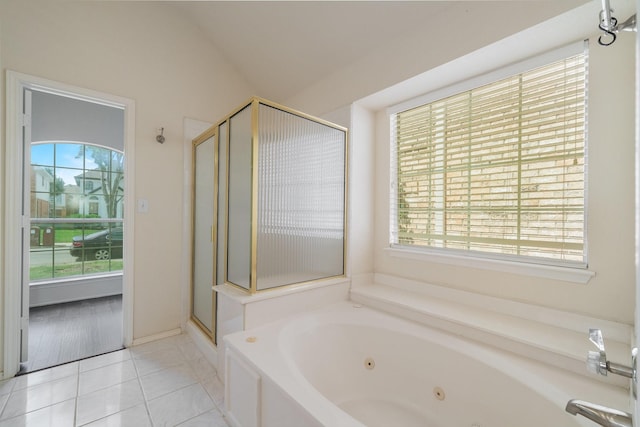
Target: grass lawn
65,235
74,269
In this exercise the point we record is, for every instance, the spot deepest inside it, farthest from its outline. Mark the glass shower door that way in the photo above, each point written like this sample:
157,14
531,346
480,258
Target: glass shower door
204,234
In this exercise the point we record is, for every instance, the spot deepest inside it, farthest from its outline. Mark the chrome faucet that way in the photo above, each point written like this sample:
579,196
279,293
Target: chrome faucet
597,362
606,417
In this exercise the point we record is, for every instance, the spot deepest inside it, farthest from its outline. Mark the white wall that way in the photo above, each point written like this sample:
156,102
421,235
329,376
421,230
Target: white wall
462,28
60,118
148,53
361,210
611,293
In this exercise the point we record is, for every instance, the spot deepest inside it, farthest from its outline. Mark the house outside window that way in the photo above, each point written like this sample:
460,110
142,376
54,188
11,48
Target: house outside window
497,170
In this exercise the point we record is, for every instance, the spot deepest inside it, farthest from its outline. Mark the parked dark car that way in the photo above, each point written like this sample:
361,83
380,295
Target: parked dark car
101,245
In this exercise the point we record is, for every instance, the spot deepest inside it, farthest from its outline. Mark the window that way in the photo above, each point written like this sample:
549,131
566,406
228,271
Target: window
93,205
76,229
497,170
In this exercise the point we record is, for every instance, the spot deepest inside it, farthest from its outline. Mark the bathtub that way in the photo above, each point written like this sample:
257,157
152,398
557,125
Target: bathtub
348,365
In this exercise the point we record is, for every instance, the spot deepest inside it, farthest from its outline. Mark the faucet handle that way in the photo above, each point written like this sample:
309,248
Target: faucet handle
595,336
597,360
596,363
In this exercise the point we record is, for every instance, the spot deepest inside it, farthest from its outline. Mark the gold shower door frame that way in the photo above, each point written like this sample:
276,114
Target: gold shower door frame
221,231
205,136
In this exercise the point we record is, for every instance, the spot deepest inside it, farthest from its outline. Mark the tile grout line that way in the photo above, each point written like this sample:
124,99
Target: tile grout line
190,360
12,382
75,405
144,395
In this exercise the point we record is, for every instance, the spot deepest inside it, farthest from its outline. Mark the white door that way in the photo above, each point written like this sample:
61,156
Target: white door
202,296
636,411
25,229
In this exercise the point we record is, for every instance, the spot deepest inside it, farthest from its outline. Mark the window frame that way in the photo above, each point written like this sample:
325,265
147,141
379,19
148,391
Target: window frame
532,266
90,206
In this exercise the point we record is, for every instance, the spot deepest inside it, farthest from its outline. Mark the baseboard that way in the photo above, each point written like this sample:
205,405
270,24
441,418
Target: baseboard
204,344
77,289
155,337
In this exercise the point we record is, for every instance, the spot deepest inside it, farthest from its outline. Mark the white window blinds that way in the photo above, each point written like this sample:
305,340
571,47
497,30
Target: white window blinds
498,169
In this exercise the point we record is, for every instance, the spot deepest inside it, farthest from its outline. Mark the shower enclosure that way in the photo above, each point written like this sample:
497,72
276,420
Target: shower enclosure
277,202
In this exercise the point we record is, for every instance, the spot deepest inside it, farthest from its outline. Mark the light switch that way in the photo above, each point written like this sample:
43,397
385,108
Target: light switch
143,205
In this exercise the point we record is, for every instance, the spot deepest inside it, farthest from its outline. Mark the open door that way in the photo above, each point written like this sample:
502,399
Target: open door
24,305
636,404
74,211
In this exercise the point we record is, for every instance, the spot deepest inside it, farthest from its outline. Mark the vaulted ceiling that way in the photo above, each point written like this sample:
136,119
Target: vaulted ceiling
282,47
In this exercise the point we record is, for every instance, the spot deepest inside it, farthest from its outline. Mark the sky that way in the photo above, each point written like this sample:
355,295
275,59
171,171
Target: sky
67,161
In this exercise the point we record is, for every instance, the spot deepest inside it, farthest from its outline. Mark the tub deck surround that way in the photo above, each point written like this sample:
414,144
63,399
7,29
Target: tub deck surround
347,365
238,311
553,337
269,306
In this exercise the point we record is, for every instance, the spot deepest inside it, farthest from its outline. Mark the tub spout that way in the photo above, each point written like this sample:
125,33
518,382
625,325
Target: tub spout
606,417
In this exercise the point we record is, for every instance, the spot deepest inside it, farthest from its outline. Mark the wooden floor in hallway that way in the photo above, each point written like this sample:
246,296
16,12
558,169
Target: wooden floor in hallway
62,333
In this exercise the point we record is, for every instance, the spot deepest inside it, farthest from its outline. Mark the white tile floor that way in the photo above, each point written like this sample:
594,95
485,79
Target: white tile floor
162,383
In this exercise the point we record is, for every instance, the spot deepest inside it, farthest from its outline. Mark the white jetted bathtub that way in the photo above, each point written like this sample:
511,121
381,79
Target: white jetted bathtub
348,365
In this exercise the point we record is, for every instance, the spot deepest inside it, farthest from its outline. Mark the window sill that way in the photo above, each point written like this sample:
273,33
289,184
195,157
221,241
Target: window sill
566,274
74,279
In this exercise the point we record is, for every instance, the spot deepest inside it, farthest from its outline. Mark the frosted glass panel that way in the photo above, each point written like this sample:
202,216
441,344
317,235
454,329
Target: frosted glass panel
301,187
202,294
239,214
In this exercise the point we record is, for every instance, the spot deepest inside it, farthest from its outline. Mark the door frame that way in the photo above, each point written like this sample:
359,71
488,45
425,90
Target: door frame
15,225
635,402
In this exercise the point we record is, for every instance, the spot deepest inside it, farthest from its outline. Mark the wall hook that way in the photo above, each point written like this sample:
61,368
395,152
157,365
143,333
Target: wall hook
160,136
